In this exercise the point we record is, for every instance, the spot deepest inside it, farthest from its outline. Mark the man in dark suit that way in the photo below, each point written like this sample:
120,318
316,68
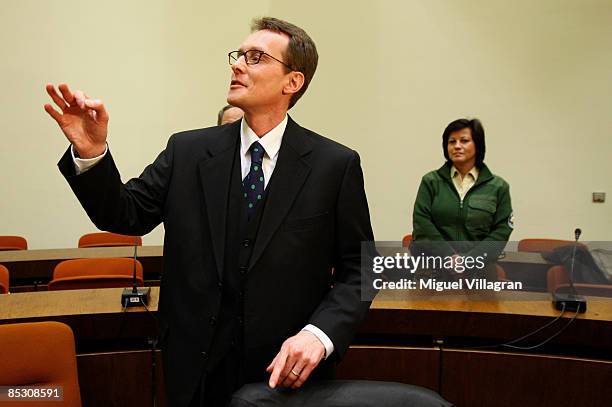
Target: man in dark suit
256,215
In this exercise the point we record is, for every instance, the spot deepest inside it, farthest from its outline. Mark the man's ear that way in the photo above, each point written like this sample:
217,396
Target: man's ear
294,84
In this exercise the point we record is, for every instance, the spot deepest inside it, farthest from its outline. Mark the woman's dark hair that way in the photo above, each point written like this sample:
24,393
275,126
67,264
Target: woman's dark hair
478,136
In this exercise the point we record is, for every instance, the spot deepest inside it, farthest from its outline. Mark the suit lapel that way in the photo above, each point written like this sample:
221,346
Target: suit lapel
215,174
291,171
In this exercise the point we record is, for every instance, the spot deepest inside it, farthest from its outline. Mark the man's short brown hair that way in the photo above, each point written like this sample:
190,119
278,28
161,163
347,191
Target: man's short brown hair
301,54
221,112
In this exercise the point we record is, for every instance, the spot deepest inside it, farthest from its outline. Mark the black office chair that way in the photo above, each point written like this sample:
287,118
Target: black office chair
339,393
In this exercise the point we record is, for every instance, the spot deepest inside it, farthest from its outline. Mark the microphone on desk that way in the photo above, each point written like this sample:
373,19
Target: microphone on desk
135,296
577,233
571,301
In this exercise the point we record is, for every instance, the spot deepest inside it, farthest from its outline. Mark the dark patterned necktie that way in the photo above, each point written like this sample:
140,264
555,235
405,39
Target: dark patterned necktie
253,183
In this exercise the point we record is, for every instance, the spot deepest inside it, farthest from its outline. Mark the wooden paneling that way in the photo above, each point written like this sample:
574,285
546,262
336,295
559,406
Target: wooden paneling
119,379
418,366
478,378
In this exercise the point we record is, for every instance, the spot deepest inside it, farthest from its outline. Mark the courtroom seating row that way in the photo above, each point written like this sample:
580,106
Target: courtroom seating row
96,239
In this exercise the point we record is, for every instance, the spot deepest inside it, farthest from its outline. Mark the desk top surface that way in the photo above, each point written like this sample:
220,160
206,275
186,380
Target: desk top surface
108,301
79,253
67,302
522,303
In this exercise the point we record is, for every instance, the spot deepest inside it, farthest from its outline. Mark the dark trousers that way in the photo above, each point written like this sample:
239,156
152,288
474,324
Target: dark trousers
219,383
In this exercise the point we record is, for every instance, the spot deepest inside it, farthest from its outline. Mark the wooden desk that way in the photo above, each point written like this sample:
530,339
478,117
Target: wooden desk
393,319
466,323
30,269
27,306
95,316
429,343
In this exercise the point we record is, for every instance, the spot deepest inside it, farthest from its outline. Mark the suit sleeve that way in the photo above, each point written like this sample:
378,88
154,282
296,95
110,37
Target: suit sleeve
133,208
343,309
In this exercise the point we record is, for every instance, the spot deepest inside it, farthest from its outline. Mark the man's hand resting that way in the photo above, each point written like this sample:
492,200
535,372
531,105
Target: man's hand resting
297,358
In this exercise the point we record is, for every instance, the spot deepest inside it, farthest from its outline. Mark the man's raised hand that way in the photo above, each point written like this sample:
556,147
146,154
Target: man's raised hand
83,120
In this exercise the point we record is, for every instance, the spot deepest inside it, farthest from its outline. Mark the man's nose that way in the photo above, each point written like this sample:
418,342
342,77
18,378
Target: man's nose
239,65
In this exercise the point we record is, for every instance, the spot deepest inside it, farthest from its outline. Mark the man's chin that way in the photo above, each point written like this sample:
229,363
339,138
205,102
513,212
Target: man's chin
234,100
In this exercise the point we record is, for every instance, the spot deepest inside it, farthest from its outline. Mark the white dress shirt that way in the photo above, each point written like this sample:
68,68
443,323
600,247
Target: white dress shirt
83,164
271,142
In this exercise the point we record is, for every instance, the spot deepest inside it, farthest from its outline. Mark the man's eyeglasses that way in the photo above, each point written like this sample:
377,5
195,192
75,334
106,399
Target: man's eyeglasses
251,57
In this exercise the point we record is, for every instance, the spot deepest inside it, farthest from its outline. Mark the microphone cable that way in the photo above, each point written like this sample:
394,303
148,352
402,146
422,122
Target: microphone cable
511,343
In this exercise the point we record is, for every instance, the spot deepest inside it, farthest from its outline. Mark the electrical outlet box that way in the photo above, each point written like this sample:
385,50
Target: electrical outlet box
599,197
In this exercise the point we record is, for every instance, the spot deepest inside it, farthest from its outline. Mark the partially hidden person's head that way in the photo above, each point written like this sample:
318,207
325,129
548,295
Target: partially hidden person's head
463,142
229,114
273,67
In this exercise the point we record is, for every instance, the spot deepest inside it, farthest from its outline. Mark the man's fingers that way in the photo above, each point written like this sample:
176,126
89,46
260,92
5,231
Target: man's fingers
66,93
286,377
53,113
304,374
299,368
98,107
57,99
79,98
291,377
271,365
281,360
294,373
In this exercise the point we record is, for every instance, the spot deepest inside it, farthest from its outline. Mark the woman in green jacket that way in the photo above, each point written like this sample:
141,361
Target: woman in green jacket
462,203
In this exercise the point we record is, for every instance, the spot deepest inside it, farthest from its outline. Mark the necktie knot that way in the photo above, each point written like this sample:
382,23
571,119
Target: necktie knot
257,152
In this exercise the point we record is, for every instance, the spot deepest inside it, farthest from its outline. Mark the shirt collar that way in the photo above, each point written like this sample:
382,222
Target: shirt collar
271,141
473,172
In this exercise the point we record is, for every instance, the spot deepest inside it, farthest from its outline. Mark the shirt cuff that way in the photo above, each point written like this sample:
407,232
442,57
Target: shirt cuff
83,164
327,343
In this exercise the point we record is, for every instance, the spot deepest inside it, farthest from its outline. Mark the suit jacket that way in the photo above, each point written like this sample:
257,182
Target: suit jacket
315,217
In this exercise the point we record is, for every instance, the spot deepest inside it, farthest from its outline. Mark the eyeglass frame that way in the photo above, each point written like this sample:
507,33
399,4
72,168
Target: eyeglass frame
260,53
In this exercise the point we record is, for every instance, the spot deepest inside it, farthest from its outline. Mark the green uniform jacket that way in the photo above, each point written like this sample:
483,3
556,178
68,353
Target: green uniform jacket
483,218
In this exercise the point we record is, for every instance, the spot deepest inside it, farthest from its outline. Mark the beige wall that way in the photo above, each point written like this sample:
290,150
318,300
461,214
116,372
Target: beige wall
392,74
160,67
